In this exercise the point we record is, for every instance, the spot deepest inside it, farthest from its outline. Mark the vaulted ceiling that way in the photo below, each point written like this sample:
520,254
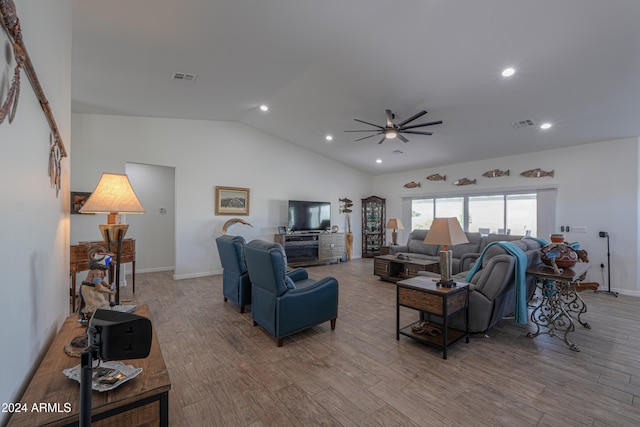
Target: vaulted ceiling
319,65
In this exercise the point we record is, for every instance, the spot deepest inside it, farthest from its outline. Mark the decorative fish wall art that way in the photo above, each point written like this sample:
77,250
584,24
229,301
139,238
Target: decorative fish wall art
465,181
437,177
494,173
536,173
412,184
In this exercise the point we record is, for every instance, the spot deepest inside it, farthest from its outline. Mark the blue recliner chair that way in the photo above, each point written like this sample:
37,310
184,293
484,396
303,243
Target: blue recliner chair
236,285
286,303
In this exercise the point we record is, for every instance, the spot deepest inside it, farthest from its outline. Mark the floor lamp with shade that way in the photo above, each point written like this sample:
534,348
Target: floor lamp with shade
394,224
445,232
114,196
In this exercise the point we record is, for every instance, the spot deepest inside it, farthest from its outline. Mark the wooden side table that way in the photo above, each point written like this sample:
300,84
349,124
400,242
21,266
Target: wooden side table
142,401
79,261
424,295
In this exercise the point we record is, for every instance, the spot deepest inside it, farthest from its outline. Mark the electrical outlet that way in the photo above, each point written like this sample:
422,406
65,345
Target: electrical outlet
579,229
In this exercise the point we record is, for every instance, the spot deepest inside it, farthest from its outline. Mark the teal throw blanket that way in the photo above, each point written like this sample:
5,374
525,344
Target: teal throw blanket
520,277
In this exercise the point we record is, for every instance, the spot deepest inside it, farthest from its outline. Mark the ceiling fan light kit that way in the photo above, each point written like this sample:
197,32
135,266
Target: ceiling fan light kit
392,130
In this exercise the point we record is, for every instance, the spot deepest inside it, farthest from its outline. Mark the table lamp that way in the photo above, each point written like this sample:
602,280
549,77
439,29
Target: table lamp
114,196
394,224
445,232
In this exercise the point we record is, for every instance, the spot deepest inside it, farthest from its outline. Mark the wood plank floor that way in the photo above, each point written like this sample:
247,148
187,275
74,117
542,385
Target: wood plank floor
227,372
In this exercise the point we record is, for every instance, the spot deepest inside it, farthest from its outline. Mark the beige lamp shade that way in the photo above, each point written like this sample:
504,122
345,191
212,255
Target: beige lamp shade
395,224
445,232
113,195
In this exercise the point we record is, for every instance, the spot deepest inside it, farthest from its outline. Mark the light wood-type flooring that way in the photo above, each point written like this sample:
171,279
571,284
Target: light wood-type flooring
227,372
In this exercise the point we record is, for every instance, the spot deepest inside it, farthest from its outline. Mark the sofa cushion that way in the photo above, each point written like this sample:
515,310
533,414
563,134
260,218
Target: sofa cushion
416,244
464,248
485,240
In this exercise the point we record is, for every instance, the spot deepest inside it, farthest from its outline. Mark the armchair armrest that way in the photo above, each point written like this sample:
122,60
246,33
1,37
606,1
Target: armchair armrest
397,249
306,306
298,274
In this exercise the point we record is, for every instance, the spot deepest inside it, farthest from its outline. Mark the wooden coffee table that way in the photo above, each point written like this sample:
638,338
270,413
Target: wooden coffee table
392,269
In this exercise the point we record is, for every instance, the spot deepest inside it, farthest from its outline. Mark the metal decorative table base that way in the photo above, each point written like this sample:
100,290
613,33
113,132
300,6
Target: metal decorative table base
560,304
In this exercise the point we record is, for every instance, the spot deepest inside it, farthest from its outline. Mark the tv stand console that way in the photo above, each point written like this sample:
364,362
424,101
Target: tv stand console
312,248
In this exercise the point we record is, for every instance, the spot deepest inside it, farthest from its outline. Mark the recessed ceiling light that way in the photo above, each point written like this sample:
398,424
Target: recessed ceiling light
545,126
264,108
379,161
329,138
508,72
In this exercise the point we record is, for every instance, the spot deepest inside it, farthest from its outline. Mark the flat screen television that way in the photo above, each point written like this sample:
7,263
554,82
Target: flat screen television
309,216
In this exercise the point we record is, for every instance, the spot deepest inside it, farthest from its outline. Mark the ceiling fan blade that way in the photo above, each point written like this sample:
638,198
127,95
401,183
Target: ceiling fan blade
367,123
389,118
417,132
402,138
421,124
382,140
412,118
368,136
367,130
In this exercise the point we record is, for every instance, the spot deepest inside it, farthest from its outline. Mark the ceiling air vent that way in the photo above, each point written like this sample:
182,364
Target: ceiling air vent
523,124
185,77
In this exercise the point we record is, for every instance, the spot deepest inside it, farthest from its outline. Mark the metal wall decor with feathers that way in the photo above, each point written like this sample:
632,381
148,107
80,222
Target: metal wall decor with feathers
391,130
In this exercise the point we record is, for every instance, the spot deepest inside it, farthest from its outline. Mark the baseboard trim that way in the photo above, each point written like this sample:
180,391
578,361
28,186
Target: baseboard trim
155,270
196,275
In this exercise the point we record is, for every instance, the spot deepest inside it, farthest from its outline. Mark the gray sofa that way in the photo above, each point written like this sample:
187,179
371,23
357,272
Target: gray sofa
492,293
464,255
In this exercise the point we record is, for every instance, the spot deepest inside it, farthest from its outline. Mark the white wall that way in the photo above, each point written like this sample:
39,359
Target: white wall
34,256
597,187
206,154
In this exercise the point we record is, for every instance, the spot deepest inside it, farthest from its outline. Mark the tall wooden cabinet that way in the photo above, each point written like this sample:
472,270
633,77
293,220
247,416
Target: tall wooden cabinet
373,223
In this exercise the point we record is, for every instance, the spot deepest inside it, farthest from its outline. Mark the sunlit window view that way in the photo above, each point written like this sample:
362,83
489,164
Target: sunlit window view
497,213
522,214
486,214
451,207
421,214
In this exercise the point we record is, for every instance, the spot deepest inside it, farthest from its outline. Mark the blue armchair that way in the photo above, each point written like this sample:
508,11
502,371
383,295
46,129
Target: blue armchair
236,285
286,303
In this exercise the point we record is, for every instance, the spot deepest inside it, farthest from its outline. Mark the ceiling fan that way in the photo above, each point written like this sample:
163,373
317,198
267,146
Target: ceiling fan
392,130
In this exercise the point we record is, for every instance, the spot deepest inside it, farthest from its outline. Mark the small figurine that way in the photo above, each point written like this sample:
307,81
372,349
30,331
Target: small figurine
94,291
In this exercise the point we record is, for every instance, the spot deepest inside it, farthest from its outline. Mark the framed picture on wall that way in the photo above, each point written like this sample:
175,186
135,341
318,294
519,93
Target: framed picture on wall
232,201
78,199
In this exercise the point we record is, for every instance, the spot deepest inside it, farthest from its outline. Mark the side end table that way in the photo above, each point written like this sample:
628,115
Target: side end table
561,303
424,295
